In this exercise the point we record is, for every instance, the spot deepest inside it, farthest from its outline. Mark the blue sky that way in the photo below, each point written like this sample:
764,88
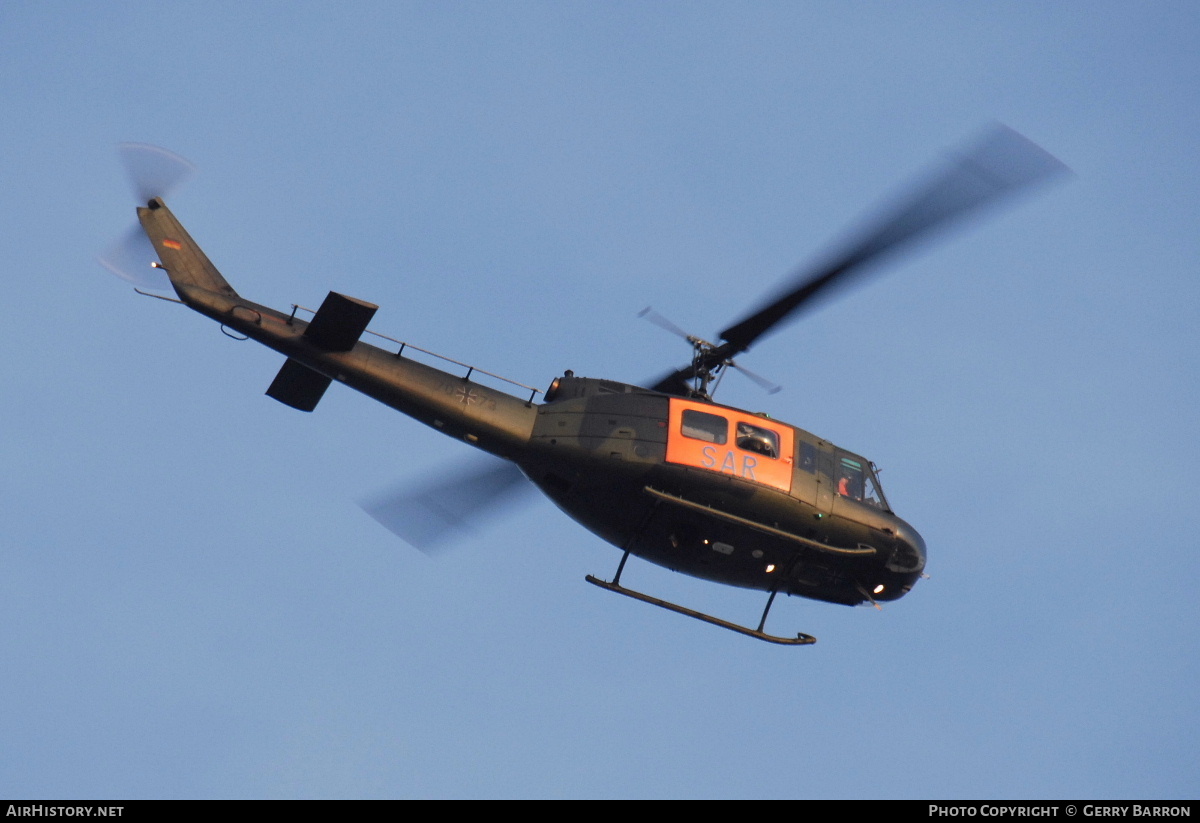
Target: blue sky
194,606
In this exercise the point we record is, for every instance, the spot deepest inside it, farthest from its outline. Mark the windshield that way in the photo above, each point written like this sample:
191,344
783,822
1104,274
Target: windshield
856,479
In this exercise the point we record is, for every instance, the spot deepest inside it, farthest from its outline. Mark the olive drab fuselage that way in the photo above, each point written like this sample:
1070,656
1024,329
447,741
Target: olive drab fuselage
720,493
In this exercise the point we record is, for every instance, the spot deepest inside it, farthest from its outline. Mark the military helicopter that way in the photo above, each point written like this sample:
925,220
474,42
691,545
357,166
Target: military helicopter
661,471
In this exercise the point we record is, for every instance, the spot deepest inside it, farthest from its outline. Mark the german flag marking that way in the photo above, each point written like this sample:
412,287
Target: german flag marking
172,244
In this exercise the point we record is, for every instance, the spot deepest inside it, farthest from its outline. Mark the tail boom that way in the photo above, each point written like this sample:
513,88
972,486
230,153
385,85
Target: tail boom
328,349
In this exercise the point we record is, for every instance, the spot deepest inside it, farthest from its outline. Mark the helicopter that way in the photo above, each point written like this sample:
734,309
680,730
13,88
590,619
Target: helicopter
661,471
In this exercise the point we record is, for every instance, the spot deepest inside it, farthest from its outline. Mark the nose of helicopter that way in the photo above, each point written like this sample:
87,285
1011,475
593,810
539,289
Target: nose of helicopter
905,565
910,550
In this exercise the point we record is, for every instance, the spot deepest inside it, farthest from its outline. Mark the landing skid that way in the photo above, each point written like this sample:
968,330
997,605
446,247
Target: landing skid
615,586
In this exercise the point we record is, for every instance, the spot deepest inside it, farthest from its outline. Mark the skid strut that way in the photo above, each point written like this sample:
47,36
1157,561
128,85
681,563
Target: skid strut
615,586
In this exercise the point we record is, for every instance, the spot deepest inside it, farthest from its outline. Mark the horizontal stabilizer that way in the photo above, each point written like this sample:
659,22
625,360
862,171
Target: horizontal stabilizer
298,386
339,322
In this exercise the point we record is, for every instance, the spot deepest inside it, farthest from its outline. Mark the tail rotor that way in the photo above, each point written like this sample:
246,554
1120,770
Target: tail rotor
152,172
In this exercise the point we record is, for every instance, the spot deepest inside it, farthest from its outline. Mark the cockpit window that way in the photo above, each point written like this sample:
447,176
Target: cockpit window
850,478
872,494
858,482
758,440
711,428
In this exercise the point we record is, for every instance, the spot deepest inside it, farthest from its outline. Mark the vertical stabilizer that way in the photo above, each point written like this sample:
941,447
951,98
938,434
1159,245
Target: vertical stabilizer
188,267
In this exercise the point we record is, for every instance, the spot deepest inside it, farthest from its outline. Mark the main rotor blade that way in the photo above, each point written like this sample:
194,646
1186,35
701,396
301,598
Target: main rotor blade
677,382
662,322
430,515
766,385
999,165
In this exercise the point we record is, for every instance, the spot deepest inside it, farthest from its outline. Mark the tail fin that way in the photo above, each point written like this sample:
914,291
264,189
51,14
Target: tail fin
188,267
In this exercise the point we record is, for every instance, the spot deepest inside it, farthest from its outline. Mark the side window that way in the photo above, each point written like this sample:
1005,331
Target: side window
808,457
758,440
850,478
826,465
711,428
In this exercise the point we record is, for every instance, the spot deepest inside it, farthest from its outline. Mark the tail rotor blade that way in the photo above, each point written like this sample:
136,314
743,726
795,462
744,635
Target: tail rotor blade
130,258
153,171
